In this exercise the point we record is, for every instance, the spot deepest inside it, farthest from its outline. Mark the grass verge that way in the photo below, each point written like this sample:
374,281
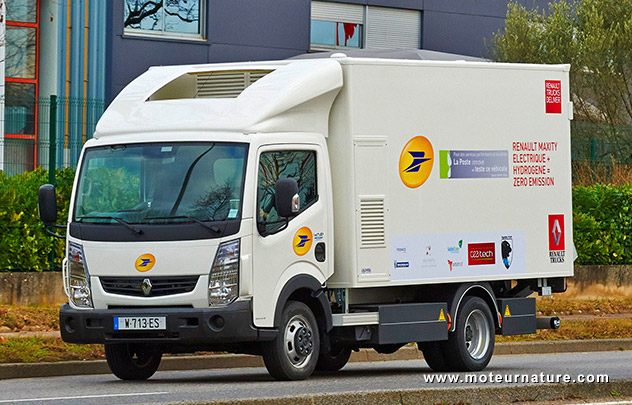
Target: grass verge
579,330
604,306
44,349
37,349
45,318
29,319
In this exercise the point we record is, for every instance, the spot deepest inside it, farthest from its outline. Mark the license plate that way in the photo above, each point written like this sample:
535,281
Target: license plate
140,323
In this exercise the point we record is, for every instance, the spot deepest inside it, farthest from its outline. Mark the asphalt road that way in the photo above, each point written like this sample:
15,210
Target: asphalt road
231,384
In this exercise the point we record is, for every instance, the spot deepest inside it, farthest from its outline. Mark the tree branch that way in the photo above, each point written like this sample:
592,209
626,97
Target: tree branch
185,19
136,16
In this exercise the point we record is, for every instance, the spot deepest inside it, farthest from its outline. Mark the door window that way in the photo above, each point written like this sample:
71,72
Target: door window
299,165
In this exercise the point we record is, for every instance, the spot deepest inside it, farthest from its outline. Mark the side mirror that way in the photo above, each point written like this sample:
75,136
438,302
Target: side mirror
287,200
47,204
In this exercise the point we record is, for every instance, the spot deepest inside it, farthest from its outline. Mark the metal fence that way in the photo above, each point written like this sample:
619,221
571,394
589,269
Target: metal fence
601,143
27,135
31,125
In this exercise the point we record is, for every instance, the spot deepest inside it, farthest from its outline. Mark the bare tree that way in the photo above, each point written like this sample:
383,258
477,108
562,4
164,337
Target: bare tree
139,10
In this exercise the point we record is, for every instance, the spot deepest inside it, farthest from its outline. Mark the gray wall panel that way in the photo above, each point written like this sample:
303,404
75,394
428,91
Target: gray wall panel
267,23
459,33
233,53
411,4
490,8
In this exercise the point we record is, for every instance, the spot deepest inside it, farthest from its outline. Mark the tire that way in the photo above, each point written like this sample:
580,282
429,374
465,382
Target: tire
471,345
434,355
132,361
336,359
294,353
388,349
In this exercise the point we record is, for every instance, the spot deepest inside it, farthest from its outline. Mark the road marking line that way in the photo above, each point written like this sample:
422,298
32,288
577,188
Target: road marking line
606,403
81,397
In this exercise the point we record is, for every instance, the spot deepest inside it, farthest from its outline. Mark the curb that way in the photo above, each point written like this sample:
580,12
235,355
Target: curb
33,370
475,395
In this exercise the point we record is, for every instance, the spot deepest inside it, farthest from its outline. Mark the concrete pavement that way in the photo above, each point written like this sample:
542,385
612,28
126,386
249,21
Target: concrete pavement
30,370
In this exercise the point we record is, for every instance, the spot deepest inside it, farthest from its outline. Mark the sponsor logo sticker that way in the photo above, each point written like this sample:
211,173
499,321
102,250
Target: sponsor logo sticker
145,262
428,260
400,265
457,248
416,161
481,253
506,250
302,241
452,264
557,245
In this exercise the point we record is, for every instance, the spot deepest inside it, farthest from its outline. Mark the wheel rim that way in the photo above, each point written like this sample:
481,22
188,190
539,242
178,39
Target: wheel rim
476,334
299,341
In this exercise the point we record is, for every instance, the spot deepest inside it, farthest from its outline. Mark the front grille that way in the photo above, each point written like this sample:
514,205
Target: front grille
160,286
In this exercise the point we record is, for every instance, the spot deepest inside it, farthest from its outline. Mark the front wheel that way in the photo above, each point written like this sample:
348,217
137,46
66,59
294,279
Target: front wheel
294,353
133,361
471,345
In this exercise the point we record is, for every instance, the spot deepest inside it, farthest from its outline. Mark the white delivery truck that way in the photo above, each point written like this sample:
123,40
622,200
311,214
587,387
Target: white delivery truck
302,209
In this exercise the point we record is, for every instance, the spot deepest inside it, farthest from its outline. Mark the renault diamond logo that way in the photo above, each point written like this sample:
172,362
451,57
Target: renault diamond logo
146,287
556,232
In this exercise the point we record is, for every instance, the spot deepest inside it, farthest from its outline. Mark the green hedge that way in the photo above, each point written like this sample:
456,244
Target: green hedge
602,218
24,245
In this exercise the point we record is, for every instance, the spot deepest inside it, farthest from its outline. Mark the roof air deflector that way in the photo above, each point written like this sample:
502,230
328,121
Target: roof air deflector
214,84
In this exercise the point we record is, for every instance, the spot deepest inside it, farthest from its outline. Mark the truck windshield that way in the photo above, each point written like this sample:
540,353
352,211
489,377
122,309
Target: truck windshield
161,183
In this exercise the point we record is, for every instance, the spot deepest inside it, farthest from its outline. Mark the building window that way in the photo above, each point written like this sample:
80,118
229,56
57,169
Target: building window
336,34
337,25
21,82
171,18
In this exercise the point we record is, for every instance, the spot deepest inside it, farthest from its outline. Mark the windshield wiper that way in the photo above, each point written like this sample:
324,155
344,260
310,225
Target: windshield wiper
196,220
126,224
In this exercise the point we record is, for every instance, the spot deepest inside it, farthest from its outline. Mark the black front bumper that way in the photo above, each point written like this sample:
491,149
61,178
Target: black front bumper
186,326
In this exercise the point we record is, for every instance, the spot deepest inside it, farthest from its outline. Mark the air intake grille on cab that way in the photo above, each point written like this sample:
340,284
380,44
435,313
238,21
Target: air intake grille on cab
228,84
160,286
372,232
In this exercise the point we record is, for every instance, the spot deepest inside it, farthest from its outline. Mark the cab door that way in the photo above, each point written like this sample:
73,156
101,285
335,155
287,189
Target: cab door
286,247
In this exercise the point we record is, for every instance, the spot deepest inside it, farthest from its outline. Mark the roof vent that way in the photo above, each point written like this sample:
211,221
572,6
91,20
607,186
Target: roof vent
226,84
216,84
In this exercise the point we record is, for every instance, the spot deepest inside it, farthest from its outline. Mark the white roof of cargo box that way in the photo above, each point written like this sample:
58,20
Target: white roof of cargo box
273,96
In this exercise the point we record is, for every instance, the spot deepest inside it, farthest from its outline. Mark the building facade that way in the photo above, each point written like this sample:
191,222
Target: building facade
88,50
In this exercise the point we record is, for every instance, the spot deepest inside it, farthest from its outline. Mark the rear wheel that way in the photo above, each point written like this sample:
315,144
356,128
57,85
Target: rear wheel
336,359
294,353
133,361
434,354
471,345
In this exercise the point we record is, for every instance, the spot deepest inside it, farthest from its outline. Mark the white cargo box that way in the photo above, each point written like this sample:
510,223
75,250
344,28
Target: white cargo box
450,172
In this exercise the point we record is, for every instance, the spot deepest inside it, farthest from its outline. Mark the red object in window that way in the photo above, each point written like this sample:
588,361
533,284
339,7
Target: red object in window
349,29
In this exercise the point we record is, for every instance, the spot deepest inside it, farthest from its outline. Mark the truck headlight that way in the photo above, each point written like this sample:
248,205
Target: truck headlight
78,277
223,285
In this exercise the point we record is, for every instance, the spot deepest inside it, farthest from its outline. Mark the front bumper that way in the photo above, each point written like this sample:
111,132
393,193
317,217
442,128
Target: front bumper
186,326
